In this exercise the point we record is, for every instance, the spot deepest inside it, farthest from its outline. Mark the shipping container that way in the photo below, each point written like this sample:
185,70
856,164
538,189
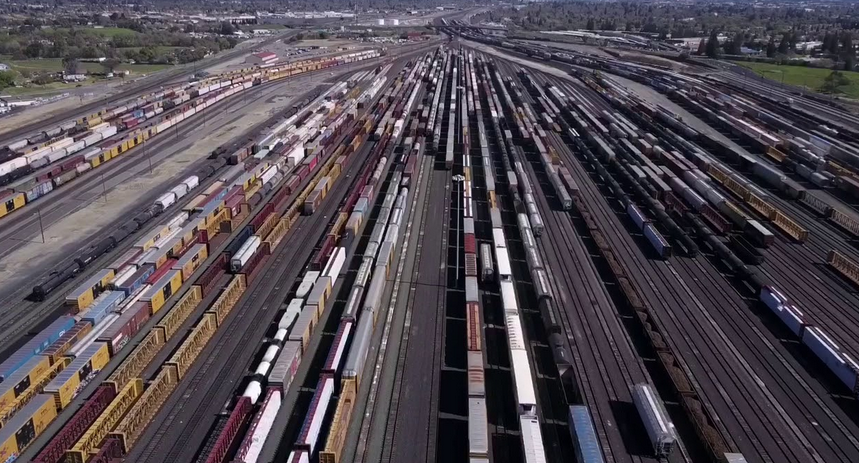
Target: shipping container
26,426
83,368
582,427
129,323
20,381
657,423
36,345
83,295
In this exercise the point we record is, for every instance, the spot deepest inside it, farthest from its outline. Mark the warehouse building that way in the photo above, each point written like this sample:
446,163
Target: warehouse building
261,59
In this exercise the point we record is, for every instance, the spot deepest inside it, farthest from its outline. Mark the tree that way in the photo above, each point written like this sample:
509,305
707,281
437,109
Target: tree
713,45
70,64
7,79
771,48
110,65
827,42
227,28
783,45
147,54
737,43
591,24
849,62
702,47
834,80
33,50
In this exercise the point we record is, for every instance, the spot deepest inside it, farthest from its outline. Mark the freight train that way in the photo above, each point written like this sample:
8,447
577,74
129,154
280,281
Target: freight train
153,270
73,150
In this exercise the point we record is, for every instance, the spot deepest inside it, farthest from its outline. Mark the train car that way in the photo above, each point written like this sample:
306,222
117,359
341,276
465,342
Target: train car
36,345
286,365
582,427
161,290
657,423
26,426
304,326
84,295
20,381
83,368
78,332
191,260
12,203
129,323
102,307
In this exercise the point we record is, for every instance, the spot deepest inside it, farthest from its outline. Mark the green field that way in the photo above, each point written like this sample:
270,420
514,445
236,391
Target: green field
811,78
44,90
103,31
56,65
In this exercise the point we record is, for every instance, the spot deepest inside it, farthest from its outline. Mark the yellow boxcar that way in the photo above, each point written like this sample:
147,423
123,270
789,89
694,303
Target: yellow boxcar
158,258
26,425
11,203
82,296
111,152
86,365
21,380
148,241
58,349
94,121
192,260
160,291
96,161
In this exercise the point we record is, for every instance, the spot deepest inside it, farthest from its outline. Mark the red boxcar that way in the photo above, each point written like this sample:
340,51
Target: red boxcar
77,426
239,416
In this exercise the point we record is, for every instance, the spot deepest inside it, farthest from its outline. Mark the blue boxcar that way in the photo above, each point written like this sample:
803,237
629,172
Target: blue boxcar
36,345
584,434
104,307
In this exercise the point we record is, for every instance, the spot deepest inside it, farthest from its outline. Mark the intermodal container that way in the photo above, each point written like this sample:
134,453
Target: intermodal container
582,428
71,380
84,294
22,379
117,335
25,426
136,280
103,307
157,275
161,290
191,260
56,350
36,345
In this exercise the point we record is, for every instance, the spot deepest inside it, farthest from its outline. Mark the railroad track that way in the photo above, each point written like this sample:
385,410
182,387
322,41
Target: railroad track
185,443
143,87
231,350
407,427
592,319
36,313
721,296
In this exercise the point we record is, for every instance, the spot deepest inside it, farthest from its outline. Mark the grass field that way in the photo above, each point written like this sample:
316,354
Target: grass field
56,65
103,31
43,90
802,76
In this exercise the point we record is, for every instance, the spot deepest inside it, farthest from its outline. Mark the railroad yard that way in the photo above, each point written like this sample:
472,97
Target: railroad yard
475,250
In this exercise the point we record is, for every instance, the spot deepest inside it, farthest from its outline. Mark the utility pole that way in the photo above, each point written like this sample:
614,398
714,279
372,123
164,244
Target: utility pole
148,157
41,228
103,188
